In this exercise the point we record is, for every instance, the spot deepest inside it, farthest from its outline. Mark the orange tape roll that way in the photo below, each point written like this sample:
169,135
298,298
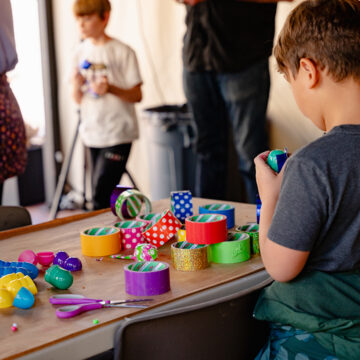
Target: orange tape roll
100,241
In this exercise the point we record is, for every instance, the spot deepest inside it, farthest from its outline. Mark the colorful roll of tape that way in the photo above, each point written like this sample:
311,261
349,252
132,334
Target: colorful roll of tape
276,159
181,204
252,229
189,257
134,200
147,278
234,250
162,228
181,235
222,209
100,241
114,195
147,218
206,229
131,233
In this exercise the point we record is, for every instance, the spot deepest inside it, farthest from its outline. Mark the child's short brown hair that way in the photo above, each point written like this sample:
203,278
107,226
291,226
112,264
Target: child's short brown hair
325,31
89,7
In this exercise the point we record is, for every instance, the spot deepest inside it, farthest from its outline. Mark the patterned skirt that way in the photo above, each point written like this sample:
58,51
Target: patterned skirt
288,343
13,152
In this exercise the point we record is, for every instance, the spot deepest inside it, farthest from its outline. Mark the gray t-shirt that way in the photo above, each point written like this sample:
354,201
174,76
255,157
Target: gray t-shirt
319,203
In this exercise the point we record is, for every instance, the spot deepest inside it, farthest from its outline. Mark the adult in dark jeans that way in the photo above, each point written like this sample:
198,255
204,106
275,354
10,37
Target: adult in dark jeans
226,78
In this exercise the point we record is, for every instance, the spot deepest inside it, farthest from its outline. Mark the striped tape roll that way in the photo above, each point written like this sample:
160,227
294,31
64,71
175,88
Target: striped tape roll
252,229
162,228
134,200
147,218
223,209
114,195
234,250
147,278
100,241
189,257
181,204
131,231
206,229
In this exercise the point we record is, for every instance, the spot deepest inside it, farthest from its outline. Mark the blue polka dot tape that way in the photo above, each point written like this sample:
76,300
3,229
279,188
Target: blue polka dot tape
181,204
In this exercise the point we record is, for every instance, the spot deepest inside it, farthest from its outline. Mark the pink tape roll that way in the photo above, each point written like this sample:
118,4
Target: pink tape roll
131,231
162,229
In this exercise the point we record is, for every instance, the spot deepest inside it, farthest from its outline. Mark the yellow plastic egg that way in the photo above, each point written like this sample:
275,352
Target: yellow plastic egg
15,285
6,299
4,281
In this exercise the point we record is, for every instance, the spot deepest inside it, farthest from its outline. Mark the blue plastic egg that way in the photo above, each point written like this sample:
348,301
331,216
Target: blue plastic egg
24,299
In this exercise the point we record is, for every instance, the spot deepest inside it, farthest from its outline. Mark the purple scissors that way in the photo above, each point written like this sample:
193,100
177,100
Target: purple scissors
79,303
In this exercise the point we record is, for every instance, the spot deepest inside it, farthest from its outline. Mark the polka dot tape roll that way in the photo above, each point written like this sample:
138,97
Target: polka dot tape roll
162,228
252,229
181,235
234,250
147,218
189,257
134,200
181,204
114,195
147,278
222,209
206,229
131,231
100,241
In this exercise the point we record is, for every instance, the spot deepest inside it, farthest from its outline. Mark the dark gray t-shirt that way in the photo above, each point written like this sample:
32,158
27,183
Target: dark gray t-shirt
319,203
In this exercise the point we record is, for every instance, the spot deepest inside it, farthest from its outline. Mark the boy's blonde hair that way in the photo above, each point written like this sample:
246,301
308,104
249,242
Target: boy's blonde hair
89,7
325,31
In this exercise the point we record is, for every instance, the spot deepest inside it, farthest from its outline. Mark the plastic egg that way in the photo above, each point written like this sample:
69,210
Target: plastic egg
60,278
45,258
32,270
15,285
60,258
276,159
6,299
9,277
72,264
6,270
24,299
28,256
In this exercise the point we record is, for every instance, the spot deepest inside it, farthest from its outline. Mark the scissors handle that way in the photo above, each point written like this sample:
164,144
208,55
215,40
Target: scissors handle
71,299
73,310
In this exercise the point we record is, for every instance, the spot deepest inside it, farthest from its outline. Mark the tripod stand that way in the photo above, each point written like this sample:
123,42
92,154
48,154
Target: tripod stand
65,171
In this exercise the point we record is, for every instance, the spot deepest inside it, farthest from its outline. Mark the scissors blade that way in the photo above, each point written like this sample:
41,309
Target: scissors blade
127,306
125,301
71,299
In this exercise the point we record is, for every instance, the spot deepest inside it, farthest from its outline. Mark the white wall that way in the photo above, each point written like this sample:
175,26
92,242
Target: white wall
154,28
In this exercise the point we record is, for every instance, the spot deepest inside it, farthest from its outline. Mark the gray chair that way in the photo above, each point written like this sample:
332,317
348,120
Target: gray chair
13,217
217,329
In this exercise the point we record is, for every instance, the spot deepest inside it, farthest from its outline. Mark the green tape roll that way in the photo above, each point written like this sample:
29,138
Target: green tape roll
252,229
234,250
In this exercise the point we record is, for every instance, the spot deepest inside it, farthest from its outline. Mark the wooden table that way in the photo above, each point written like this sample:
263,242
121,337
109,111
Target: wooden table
41,333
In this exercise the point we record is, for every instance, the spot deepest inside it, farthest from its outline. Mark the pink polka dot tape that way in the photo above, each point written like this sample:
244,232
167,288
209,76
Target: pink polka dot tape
131,233
162,228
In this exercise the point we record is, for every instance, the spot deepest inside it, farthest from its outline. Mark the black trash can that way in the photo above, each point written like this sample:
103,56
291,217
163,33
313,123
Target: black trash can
170,133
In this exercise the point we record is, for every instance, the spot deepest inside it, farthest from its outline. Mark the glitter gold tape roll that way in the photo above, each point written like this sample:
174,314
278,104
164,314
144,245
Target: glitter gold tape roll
189,257
100,241
234,250
206,229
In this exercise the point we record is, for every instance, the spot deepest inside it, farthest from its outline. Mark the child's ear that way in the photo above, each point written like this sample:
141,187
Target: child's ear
310,71
106,16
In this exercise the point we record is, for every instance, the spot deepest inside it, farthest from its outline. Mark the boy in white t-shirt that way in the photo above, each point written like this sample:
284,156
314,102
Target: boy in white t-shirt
106,84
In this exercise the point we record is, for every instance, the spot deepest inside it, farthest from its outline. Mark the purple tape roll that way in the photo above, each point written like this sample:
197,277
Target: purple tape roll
147,278
114,195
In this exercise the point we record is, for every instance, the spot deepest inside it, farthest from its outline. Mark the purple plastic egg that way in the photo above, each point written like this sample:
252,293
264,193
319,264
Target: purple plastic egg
60,258
72,264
